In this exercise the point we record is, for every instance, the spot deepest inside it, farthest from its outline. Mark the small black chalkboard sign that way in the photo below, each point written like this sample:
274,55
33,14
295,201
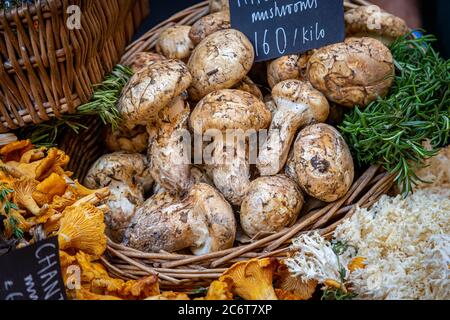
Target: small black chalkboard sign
32,273
280,27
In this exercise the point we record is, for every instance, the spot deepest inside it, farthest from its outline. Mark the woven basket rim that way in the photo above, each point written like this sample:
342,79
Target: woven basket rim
178,271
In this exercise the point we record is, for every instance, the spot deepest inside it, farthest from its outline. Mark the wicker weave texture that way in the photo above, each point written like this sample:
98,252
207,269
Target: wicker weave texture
46,69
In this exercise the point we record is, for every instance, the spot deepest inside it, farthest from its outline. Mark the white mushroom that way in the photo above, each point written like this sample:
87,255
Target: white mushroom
353,73
169,155
270,204
298,105
202,221
208,25
218,5
198,174
220,61
128,178
228,115
283,68
249,86
371,21
323,162
150,90
144,59
175,43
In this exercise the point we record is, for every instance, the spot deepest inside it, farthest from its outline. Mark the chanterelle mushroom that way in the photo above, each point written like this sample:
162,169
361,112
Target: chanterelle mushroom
371,21
298,104
151,89
353,73
270,204
225,115
128,177
202,221
82,227
175,43
220,61
323,162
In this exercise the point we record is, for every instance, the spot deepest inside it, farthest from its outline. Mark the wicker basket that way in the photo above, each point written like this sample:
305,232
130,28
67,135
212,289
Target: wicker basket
182,272
46,69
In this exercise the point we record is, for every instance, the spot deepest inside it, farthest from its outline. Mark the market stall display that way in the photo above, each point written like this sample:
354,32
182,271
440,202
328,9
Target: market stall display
326,204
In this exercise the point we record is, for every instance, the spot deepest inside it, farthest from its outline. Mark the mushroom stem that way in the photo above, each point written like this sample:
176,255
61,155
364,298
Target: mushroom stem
231,169
298,104
169,154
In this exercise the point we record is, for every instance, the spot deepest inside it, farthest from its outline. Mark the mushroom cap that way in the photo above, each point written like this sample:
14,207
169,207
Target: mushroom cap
175,43
289,168
134,141
144,59
302,98
202,221
283,68
252,279
122,203
151,89
371,21
127,168
218,5
208,25
323,162
219,218
249,86
270,204
220,61
229,109
355,72
127,176
83,228
160,223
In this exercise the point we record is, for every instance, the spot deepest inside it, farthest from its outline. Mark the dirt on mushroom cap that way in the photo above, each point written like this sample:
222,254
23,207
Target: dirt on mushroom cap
323,162
353,73
220,61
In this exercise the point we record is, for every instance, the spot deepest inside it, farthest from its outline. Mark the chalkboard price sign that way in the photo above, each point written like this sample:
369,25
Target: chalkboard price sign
32,273
281,27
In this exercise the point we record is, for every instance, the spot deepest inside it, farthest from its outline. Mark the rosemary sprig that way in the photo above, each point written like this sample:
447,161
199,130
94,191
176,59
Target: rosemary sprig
102,104
337,294
5,191
104,100
17,232
391,130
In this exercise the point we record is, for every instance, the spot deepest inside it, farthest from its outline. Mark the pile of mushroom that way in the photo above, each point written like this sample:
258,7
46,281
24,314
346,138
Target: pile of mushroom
201,83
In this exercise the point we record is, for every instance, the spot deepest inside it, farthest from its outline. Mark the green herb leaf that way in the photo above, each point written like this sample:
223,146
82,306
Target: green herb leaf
5,191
